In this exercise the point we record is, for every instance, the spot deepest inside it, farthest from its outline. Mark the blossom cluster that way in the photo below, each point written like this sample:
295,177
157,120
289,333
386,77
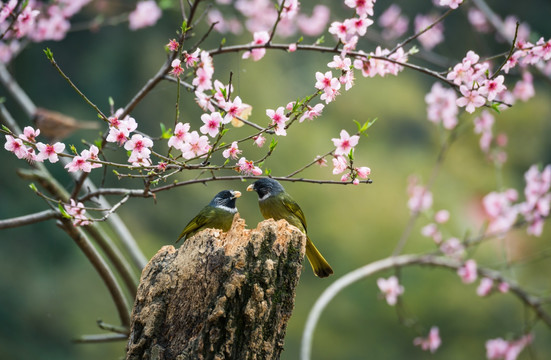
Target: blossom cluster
432,342
25,145
497,349
370,65
42,21
260,15
344,146
76,211
120,132
391,289
502,211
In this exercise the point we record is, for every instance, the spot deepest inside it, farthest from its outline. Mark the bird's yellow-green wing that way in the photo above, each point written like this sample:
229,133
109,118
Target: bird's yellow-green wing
292,206
196,224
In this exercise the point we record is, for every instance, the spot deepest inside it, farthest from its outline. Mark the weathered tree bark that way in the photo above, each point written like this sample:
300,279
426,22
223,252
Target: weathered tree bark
219,296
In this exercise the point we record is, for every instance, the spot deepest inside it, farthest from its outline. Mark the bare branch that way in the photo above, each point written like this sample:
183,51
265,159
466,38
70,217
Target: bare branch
140,192
333,50
115,256
28,219
16,91
100,338
102,268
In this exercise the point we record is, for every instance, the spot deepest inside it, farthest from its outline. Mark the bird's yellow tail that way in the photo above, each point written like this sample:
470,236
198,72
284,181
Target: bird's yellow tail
320,266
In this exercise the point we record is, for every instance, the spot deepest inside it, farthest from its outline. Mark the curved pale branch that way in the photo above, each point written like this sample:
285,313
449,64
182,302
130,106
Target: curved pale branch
399,262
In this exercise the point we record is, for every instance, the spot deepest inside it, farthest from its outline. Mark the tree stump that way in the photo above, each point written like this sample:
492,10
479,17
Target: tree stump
219,296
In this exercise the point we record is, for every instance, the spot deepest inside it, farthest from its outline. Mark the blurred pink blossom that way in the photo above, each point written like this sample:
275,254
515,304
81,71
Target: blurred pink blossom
146,14
432,342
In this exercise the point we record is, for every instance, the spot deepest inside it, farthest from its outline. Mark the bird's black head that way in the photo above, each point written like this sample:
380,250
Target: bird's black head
225,198
266,187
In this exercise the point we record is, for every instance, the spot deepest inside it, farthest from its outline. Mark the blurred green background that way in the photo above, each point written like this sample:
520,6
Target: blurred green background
50,294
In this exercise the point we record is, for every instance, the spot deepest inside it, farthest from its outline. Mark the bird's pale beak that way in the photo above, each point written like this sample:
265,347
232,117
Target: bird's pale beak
250,187
236,194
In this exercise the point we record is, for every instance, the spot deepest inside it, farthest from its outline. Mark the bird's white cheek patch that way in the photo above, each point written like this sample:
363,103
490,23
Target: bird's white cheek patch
265,197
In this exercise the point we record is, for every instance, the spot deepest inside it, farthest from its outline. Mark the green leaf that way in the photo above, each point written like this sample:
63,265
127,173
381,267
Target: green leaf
320,40
414,50
358,125
223,132
33,187
184,26
351,154
98,143
5,128
165,134
49,54
369,123
297,104
366,126
495,107
73,149
111,101
223,42
268,171
63,211
273,144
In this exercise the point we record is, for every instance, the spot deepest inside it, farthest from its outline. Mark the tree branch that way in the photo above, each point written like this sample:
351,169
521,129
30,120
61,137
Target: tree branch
399,262
102,269
140,192
28,219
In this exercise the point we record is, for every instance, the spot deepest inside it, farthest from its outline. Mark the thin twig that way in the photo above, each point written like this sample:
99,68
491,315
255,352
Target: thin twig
416,35
100,338
511,50
215,103
80,93
15,14
278,19
113,328
310,164
415,213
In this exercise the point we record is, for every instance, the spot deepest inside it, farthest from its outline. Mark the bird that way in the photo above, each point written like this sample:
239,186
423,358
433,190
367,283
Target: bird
218,214
276,203
57,126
